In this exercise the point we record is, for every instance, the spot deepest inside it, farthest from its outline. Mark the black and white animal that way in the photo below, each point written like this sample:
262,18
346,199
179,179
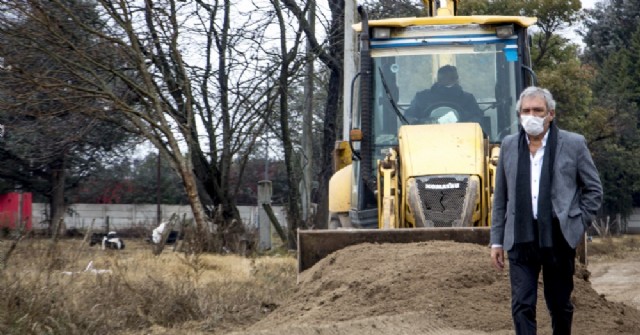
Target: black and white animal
108,241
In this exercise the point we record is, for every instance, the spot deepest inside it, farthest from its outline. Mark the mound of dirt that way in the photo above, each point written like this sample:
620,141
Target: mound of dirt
424,288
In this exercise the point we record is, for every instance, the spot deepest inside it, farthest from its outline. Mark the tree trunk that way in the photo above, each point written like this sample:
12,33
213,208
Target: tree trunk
331,111
56,198
307,123
328,144
200,218
212,172
293,198
229,209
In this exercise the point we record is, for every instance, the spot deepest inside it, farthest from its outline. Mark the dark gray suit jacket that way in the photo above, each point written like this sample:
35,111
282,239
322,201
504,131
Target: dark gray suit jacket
576,192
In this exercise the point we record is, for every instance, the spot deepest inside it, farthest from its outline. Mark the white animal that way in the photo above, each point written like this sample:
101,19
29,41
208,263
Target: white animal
156,234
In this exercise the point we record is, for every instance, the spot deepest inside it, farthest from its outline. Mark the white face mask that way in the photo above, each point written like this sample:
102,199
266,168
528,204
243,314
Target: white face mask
533,125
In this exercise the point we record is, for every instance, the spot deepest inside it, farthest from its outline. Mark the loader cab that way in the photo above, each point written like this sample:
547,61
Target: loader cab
491,56
411,80
492,69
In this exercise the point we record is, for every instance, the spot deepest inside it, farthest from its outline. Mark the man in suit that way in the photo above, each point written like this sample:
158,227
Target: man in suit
547,192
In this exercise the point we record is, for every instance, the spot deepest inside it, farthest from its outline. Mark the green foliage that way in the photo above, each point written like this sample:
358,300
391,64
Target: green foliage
558,51
476,7
570,86
608,28
382,9
619,169
618,97
620,74
551,14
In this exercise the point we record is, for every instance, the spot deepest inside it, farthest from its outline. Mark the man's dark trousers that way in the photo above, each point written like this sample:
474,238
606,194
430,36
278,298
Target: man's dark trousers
557,276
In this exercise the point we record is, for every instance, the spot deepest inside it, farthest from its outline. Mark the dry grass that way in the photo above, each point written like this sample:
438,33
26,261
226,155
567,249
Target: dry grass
202,293
613,247
45,289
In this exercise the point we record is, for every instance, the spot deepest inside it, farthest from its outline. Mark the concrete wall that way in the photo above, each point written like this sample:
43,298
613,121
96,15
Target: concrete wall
633,226
126,216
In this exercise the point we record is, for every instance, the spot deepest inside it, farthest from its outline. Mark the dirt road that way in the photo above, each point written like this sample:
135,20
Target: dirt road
617,278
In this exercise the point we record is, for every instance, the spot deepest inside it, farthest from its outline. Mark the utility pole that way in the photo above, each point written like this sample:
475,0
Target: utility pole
266,157
307,121
350,61
158,197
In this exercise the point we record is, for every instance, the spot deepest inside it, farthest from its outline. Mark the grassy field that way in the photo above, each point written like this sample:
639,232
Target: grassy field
613,247
47,288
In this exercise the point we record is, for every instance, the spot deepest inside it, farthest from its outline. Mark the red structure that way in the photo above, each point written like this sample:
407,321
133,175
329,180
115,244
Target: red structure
15,207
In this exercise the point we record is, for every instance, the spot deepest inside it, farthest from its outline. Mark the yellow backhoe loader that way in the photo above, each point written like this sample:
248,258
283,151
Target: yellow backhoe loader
414,170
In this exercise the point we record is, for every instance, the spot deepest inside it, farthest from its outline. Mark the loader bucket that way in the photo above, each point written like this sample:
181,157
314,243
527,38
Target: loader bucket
314,245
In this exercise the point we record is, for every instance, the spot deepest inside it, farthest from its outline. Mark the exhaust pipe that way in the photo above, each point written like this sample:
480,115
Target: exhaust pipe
366,80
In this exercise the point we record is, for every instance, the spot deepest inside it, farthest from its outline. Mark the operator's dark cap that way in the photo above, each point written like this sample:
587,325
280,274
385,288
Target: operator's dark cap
447,71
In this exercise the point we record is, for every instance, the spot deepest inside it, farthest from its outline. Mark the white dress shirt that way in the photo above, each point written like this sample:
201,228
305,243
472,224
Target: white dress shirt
536,171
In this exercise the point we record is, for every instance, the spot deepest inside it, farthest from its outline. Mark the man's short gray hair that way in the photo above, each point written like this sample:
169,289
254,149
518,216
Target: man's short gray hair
534,91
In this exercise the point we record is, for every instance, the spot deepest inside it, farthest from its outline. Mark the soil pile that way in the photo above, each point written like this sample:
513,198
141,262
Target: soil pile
424,288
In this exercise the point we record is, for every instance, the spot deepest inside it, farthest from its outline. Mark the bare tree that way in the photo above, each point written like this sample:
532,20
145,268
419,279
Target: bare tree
289,63
50,145
201,80
134,64
186,75
330,53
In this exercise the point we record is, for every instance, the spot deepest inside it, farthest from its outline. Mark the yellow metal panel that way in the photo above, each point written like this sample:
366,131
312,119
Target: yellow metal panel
455,148
341,155
443,20
340,190
388,193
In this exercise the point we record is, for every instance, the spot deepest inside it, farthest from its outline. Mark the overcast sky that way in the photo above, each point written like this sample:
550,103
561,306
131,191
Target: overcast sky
588,3
570,32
